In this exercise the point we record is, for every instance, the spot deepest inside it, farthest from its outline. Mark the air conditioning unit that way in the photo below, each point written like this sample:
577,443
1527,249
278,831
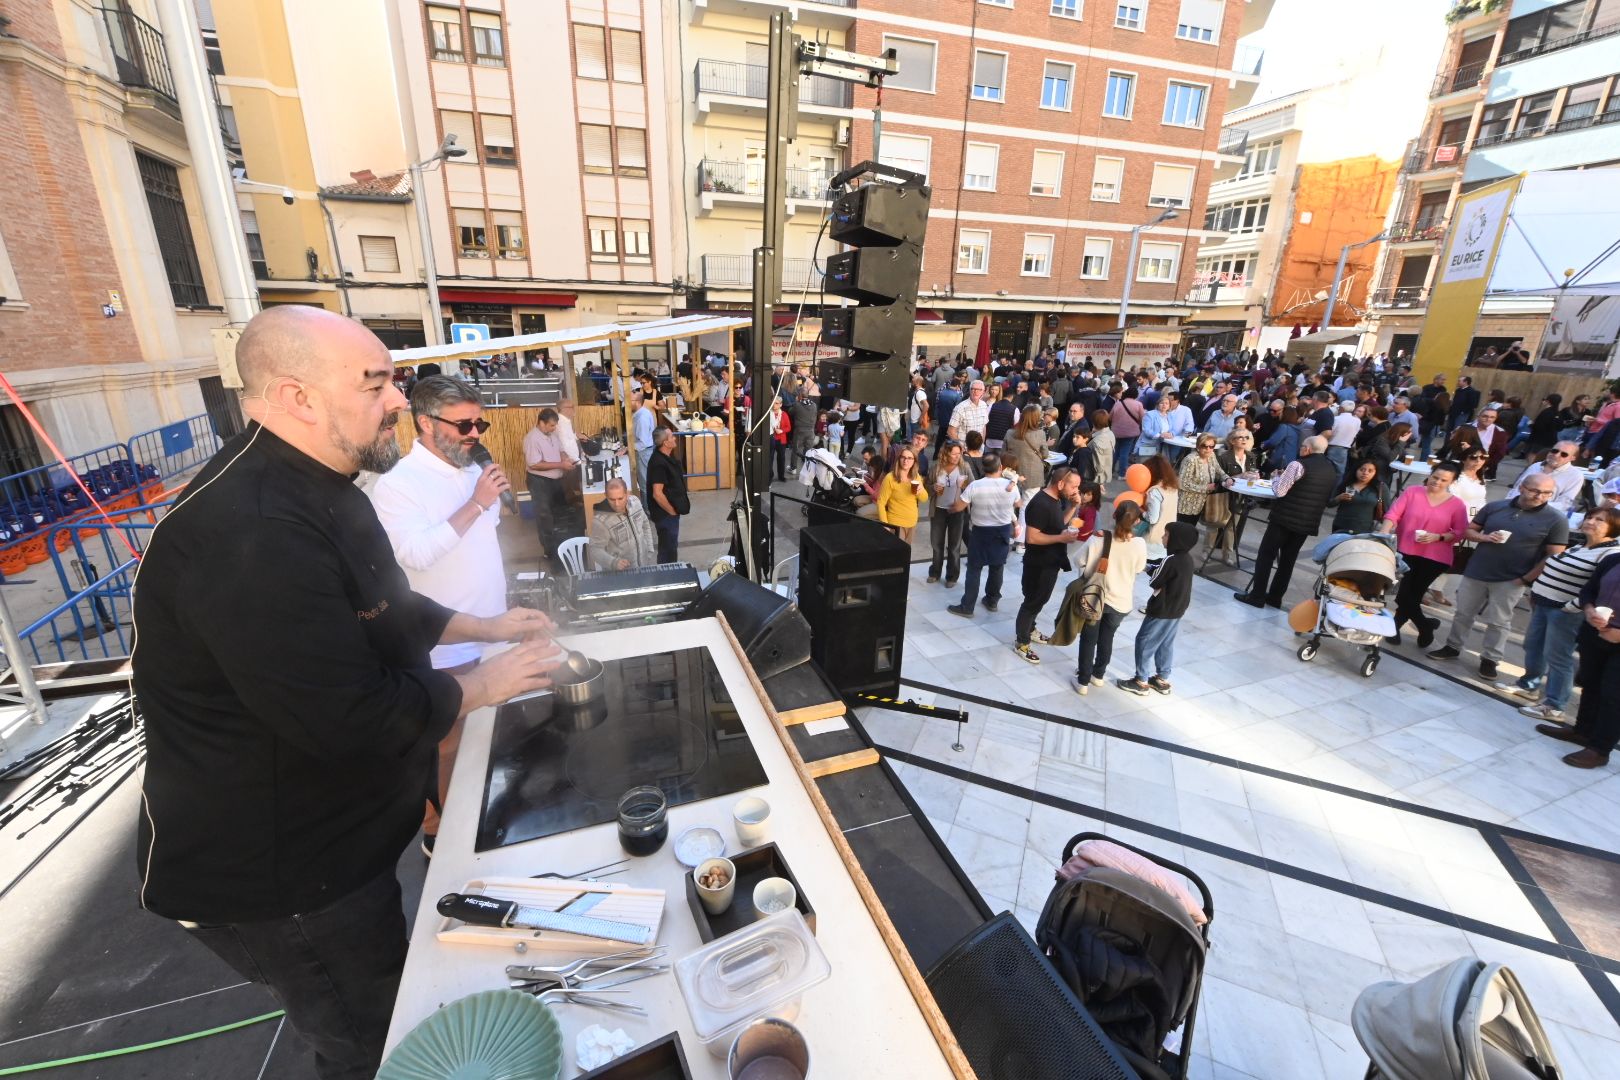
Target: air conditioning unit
843,133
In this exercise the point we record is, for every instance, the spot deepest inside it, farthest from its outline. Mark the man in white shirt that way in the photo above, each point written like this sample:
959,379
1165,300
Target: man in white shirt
972,414
440,511
992,505
1343,436
1567,479
549,461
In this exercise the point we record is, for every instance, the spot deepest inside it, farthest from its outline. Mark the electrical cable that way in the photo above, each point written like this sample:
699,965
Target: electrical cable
103,1055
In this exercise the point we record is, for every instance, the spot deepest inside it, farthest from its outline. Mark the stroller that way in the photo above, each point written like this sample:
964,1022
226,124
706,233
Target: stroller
1351,592
1132,952
830,481
1469,1020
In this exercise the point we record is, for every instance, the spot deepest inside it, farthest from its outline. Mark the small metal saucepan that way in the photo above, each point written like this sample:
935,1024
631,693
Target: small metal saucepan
575,688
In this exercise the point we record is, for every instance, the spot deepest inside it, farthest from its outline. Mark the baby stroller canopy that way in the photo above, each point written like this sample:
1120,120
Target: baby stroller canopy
1363,565
1466,1021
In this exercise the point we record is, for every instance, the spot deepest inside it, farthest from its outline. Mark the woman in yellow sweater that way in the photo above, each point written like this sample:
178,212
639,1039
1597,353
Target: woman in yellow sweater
902,494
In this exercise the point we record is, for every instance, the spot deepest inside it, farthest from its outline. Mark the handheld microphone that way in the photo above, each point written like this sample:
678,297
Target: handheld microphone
480,456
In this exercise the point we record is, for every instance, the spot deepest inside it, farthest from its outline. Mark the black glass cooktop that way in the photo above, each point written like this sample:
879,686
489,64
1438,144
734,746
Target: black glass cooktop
664,719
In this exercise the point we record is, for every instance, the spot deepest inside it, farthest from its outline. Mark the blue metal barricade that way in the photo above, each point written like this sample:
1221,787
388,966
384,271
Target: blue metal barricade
176,448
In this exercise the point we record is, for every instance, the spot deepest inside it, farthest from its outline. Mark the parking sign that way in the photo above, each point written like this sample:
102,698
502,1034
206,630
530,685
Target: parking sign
470,331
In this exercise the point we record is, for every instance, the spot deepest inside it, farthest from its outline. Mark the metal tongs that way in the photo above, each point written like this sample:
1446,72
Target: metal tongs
575,982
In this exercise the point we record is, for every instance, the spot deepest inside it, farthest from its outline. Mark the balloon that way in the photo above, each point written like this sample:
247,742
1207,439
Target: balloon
1302,617
1138,477
1128,497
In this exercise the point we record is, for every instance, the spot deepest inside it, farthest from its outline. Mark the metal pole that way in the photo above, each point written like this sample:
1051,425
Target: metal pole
435,334
27,692
182,42
1338,275
1130,276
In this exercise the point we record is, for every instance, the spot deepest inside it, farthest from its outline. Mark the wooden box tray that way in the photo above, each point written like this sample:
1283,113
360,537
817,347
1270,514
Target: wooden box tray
753,866
661,1060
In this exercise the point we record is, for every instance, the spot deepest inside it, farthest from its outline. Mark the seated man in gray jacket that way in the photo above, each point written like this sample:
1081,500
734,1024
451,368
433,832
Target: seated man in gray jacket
622,534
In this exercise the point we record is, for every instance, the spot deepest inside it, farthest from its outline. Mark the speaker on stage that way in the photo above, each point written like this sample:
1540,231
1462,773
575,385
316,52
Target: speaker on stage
853,580
770,628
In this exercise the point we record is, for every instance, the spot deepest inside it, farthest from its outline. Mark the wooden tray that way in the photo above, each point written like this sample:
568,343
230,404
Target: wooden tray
661,1060
753,866
644,907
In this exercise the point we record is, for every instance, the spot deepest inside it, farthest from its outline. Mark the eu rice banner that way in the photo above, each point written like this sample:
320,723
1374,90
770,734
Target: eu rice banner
1477,220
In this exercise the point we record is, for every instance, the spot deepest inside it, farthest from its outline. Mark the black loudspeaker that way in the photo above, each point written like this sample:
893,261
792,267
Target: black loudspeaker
853,580
870,384
771,629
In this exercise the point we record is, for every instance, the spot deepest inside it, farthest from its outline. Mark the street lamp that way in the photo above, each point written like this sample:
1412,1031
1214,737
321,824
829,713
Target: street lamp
1130,265
447,149
1338,275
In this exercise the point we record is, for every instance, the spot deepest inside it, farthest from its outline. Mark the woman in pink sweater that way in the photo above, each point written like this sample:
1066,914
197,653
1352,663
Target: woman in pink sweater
1427,523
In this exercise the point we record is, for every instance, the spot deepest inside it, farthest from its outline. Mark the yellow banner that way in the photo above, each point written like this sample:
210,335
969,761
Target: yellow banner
1475,236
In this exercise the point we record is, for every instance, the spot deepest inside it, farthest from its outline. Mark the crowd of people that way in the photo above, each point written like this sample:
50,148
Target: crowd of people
1019,457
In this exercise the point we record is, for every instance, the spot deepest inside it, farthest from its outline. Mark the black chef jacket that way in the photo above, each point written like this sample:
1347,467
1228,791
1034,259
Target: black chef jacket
281,666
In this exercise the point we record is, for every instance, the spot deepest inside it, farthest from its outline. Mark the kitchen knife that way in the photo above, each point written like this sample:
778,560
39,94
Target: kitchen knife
488,911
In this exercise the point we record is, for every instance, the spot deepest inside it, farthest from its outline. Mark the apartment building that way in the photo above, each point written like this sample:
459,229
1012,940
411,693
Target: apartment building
1521,87
1051,132
309,110
560,213
109,294
1319,172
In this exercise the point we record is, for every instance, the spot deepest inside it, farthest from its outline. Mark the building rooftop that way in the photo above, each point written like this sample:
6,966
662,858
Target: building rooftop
368,186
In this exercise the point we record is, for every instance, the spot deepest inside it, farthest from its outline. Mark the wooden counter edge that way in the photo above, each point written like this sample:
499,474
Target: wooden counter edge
958,1062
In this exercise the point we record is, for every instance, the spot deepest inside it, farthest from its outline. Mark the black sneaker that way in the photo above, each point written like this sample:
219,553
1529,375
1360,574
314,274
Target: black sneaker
933,579
1487,669
1444,652
1252,601
1161,685
992,605
1133,686
958,609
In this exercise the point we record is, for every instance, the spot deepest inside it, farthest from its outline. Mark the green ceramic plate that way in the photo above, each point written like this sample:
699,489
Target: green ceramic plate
495,1035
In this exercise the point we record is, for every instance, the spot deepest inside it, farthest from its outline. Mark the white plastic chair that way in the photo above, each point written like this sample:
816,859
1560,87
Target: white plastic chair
571,552
787,585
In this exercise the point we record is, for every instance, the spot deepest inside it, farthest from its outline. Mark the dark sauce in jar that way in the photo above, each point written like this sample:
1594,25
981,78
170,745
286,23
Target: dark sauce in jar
643,824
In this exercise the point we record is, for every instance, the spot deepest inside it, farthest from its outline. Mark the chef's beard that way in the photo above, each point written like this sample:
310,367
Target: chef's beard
377,456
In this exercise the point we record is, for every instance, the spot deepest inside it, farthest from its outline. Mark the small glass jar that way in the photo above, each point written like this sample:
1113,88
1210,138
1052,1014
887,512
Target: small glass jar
643,820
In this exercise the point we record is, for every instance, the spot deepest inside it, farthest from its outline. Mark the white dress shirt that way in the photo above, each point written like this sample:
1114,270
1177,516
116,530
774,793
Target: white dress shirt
1346,426
1567,484
414,501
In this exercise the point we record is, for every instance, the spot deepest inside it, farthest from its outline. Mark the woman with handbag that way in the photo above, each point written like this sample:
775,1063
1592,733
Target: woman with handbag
1126,420
1238,459
1201,477
947,479
1119,555
1427,522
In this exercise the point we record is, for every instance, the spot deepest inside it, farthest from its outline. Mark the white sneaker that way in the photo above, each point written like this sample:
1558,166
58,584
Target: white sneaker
1038,638
1098,680
1544,712
1511,686
1081,688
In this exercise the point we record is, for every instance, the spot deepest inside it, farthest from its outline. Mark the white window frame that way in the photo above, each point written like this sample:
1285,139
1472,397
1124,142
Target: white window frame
928,141
1006,76
1130,104
1203,108
1119,185
995,167
1191,184
1141,9
1057,188
961,240
1051,255
1214,32
1108,257
1142,257
933,72
10,287
1068,104
1077,14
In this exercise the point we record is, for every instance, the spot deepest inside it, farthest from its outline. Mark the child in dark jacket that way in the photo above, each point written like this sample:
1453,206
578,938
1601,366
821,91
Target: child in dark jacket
1172,592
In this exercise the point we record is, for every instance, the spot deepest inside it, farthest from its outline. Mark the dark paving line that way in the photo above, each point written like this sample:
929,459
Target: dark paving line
1575,954
1606,991
1276,774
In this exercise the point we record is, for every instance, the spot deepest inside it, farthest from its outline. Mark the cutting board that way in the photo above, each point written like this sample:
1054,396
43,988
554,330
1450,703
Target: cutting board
624,903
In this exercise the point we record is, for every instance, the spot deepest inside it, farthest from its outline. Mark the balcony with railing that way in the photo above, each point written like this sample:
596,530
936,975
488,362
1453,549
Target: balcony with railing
1533,130
742,183
737,272
1422,229
742,86
1554,45
1441,158
1399,296
1217,288
1466,77
139,57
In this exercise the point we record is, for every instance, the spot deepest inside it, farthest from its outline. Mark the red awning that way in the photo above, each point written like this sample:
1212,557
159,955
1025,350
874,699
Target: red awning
928,315
515,297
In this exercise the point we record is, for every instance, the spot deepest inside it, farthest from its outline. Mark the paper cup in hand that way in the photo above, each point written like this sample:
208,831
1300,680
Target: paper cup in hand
1503,535
1606,614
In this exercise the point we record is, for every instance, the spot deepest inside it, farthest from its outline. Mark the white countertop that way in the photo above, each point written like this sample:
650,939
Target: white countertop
861,1022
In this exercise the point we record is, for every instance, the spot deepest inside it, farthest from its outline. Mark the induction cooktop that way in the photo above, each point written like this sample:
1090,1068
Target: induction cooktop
663,719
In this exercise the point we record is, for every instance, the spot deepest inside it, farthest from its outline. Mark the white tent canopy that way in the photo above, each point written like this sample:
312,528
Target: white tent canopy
575,338
1562,236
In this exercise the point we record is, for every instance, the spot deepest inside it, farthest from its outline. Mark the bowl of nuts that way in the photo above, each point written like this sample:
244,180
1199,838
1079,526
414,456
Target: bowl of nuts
716,881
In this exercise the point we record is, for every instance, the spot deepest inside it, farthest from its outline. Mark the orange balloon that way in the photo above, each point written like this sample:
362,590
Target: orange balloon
1138,478
1128,497
1302,616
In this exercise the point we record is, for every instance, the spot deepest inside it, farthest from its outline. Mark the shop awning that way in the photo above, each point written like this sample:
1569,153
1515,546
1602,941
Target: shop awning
515,297
927,316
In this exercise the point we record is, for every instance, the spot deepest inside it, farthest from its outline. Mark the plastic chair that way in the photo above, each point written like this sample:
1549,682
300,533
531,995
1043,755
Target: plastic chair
786,585
571,552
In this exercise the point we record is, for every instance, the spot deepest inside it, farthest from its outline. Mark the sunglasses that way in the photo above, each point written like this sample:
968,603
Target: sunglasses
465,427
1561,453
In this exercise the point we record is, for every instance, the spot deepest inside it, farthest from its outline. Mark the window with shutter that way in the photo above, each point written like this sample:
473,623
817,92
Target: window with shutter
1037,255
979,169
460,124
626,56
444,27
604,239
1055,83
632,151
916,62
509,235
1200,20
472,234
973,251
1095,262
597,142
489,41
379,254
500,148
909,152
1046,173
989,75
1581,102
1106,176
1157,262
590,52
637,240
1171,185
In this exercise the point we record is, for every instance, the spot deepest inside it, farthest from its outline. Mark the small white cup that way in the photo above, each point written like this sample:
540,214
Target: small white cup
715,901
751,817
1603,613
1505,534
774,894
